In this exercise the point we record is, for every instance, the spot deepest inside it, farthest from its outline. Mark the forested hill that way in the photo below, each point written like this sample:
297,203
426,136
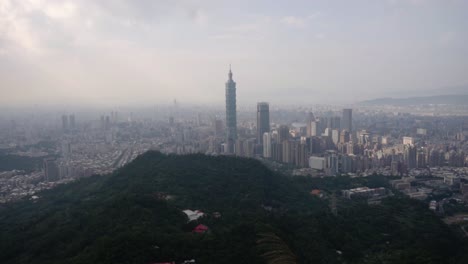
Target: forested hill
135,216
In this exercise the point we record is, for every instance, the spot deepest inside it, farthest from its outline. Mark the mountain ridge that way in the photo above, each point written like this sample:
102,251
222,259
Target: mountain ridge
457,99
126,217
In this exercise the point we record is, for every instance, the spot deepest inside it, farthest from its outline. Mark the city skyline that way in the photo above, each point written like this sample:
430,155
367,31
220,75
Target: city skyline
339,134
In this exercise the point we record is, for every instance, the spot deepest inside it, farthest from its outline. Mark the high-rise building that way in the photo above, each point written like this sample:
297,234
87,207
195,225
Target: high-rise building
283,133
64,122
409,155
344,136
239,148
277,151
288,151
231,115
334,122
263,120
314,128
267,145
347,120
310,119
218,127
335,136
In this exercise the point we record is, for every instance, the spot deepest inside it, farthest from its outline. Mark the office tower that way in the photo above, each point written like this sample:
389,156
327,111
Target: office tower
331,163
347,120
334,122
288,152
347,164
249,148
218,127
71,120
409,155
277,151
263,120
283,133
344,136
239,148
302,155
315,146
421,159
231,115
309,120
64,122
51,171
314,128
335,136
266,145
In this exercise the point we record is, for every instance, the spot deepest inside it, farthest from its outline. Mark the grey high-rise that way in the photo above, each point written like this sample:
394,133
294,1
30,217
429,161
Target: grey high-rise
347,120
263,120
231,115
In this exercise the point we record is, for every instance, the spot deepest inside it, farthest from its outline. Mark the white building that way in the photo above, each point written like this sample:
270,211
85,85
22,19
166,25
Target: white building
317,163
408,141
193,215
266,145
335,136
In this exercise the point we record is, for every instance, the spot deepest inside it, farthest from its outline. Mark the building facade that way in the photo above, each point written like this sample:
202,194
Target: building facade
263,120
231,114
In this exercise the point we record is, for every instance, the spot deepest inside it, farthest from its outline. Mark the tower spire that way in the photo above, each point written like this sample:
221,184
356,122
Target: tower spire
230,72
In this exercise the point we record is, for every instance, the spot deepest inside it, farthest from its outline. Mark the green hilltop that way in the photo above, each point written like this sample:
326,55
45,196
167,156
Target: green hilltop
135,216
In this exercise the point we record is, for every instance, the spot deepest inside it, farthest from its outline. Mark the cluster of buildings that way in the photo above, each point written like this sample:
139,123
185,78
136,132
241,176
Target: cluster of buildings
332,145
322,141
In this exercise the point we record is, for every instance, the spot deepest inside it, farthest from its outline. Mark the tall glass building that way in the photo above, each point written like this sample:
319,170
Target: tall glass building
231,115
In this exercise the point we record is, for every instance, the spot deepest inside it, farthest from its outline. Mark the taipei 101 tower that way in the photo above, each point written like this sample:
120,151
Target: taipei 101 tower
231,115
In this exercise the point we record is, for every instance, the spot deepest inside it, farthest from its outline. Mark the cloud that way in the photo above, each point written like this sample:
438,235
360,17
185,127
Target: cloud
62,10
255,28
299,21
294,21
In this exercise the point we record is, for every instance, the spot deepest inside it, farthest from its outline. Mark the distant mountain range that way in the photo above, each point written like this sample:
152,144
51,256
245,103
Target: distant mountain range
456,99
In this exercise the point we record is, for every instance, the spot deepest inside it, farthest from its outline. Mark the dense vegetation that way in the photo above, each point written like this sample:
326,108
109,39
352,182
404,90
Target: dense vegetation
124,218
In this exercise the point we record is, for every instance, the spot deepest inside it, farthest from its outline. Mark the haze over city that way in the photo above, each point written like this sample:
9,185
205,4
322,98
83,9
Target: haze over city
147,52
229,132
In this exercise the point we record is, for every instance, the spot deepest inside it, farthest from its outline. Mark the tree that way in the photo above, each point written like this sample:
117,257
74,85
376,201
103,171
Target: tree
275,250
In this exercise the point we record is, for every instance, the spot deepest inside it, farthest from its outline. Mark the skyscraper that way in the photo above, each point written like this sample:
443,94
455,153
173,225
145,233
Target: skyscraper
283,133
267,145
231,115
263,120
309,120
347,120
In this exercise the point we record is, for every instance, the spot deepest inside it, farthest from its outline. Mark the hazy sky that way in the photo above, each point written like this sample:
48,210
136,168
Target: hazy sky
142,51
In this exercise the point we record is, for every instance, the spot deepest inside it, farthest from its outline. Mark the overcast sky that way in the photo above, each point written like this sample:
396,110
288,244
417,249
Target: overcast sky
142,51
